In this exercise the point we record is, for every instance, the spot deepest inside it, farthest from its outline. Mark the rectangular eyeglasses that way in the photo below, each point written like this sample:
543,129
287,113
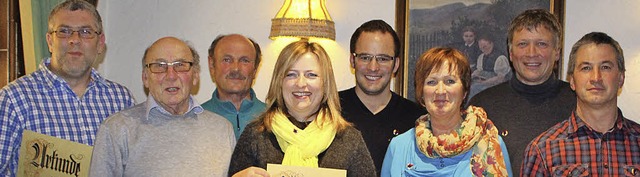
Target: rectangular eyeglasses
381,59
162,67
85,33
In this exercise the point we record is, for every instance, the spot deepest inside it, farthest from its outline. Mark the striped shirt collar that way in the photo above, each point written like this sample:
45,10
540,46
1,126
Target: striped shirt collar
152,104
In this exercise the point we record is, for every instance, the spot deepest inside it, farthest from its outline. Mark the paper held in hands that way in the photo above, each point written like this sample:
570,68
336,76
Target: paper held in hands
277,170
43,155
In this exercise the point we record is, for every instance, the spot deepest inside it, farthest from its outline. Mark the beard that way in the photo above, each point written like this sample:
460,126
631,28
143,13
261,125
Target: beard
72,67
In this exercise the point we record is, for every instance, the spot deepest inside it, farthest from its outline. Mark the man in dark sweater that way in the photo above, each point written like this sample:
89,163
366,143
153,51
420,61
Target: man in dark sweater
377,112
535,99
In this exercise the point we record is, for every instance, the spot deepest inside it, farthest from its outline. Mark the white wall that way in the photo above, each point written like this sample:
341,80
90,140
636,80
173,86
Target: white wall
131,26
621,20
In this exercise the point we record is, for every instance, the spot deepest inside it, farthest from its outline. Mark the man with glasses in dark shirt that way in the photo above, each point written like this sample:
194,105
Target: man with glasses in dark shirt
377,112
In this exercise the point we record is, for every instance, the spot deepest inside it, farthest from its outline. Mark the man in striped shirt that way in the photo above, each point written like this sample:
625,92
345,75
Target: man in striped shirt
596,140
65,97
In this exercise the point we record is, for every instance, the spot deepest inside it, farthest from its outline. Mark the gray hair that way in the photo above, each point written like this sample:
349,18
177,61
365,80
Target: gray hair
595,38
73,5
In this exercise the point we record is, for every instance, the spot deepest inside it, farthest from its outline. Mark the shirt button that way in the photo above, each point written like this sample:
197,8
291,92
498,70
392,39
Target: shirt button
606,165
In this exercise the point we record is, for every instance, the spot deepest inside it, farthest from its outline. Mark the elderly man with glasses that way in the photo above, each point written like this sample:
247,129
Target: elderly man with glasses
170,134
65,97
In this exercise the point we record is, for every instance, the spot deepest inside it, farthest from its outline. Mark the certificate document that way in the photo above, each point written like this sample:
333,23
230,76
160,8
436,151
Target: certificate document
43,155
278,170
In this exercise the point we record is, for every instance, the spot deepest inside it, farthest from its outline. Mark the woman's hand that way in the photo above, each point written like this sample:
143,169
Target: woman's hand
252,171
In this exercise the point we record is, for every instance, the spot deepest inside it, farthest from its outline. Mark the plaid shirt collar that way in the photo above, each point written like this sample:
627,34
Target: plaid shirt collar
54,81
578,127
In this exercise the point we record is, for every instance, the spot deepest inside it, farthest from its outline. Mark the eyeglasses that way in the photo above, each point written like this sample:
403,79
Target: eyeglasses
85,33
381,59
161,67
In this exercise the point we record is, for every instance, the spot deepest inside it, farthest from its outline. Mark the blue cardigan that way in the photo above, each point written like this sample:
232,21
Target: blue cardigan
403,151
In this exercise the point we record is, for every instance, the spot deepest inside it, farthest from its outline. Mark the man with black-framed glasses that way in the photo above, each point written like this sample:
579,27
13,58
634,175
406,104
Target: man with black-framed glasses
170,134
371,106
65,97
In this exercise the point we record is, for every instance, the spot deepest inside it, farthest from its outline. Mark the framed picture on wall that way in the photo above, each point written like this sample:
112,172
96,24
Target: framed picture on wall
424,24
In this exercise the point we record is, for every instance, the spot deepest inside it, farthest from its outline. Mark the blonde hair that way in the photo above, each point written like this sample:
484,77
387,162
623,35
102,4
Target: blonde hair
330,104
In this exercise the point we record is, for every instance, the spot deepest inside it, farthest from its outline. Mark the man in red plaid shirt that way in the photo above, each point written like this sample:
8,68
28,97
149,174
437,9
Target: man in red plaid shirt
596,140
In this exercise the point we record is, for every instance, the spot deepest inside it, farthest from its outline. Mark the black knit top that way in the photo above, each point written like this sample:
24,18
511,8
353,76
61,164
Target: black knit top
521,112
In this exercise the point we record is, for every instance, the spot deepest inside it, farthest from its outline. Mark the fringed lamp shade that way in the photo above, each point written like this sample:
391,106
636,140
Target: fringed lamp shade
304,19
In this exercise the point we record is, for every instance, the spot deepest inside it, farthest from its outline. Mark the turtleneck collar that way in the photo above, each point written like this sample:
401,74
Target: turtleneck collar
546,89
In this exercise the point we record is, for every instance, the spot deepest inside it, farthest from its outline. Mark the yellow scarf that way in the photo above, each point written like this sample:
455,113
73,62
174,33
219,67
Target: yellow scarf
477,133
301,147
